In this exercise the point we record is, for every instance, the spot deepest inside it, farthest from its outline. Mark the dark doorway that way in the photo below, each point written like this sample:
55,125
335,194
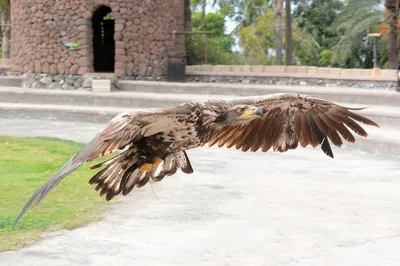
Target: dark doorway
103,40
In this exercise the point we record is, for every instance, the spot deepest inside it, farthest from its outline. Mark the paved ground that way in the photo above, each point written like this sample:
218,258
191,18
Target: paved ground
297,208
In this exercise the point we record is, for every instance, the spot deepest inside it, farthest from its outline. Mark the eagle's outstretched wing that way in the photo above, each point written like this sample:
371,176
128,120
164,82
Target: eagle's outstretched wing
122,130
290,119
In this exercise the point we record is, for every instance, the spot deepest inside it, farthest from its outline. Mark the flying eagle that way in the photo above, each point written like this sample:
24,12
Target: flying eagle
152,144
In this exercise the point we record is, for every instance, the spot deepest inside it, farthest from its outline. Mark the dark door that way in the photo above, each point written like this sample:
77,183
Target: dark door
103,41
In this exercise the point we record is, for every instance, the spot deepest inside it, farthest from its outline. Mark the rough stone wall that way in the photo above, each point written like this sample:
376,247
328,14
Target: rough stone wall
143,35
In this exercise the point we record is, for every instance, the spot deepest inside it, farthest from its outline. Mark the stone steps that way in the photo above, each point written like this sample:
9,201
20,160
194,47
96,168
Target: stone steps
87,98
85,103
11,81
105,113
336,94
384,141
59,112
85,106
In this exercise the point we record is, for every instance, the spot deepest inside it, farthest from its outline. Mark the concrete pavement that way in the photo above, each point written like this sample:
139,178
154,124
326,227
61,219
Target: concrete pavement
296,208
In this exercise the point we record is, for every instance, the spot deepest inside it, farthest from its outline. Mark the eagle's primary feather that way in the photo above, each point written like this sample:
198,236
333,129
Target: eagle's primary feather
292,119
153,143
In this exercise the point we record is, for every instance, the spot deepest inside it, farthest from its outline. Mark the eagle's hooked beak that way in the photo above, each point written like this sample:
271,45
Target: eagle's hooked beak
252,112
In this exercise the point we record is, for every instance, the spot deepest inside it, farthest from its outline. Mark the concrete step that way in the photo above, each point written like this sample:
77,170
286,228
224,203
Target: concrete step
59,112
384,141
88,98
382,114
385,116
337,94
11,81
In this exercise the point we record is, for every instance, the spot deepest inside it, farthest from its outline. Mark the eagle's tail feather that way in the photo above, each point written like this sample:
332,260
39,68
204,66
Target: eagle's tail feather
39,195
111,178
123,173
183,162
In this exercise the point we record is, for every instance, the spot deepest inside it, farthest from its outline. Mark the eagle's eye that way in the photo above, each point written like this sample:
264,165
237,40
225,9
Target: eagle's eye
240,110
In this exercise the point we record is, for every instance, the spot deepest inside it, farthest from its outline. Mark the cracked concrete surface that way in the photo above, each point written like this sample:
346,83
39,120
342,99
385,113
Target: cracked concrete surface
298,208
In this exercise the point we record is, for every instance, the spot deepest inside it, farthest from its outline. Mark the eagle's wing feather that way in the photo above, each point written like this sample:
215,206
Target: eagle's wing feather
289,120
119,132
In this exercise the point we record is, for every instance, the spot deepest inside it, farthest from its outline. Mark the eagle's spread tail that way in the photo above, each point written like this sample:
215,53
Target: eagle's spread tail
84,155
126,171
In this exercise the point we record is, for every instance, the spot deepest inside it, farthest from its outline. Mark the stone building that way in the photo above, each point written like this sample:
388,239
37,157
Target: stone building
77,37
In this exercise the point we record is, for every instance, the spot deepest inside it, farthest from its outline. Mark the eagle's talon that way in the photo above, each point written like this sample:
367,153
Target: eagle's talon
148,166
145,167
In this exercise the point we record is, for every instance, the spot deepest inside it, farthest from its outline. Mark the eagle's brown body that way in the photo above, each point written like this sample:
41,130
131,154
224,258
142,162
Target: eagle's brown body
153,143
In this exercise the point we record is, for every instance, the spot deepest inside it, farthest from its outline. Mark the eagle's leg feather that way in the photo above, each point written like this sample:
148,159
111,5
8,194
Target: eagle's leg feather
148,166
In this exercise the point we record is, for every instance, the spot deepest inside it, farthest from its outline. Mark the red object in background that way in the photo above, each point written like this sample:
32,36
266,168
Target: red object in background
384,28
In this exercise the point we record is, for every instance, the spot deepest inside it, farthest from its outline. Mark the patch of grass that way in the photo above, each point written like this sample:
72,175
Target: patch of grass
25,165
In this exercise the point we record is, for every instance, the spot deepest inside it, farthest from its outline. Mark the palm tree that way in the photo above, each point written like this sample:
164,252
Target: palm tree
5,27
392,8
242,12
199,4
355,21
203,12
278,5
288,30
188,16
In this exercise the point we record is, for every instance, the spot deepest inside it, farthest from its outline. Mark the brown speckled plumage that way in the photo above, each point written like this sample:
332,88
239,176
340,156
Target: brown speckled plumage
143,137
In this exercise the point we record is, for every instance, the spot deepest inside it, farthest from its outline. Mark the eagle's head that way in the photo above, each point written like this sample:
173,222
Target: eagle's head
239,114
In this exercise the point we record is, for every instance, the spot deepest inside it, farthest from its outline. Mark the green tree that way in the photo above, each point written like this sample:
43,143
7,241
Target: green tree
5,28
258,41
212,22
219,45
315,18
278,6
357,19
188,15
289,41
392,8
242,12
200,5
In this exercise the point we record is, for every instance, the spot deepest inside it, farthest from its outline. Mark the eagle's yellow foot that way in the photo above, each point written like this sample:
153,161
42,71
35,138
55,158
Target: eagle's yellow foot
148,166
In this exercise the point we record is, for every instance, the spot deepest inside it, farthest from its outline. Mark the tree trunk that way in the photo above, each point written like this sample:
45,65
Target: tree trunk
188,27
188,16
391,6
203,12
289,43
278,4
5,23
